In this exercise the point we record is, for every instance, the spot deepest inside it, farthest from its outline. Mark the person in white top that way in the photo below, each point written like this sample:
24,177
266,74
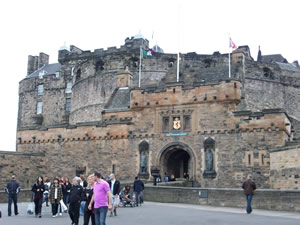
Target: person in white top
114,185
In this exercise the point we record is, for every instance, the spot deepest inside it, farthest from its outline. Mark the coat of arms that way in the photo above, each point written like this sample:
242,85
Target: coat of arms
176,123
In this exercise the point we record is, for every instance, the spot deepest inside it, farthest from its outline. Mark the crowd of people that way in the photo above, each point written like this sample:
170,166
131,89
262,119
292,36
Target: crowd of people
91,198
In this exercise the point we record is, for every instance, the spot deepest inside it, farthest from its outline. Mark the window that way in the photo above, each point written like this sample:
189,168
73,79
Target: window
113,168
78,74
41,74
165,127
262,159
268,73
249,159
68,105
69,87
39,108
40,89
187,123
57,75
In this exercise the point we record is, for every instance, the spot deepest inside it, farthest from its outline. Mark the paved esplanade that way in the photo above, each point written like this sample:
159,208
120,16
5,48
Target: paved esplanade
164,214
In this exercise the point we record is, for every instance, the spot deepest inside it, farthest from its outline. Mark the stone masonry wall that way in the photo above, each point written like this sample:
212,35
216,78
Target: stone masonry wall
25,166
285,168
285,200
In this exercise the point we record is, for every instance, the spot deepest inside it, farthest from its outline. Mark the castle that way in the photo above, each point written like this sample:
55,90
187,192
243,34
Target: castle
87,112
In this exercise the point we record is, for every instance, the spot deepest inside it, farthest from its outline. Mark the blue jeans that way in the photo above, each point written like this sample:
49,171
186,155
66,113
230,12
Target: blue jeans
82,205
13,198
100,215
249,199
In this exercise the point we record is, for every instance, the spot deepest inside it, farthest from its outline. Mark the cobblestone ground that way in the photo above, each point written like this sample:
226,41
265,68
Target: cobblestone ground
163,214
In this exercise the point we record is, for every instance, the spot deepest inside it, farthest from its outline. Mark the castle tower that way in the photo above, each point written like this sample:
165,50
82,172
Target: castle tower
124,78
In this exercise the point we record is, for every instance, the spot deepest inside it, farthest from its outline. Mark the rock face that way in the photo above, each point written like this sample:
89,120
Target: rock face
91,115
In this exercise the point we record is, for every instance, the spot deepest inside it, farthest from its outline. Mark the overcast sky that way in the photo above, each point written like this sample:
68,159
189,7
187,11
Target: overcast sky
33,26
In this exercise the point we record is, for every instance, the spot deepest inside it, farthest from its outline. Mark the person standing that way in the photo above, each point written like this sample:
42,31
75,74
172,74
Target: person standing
87,196
83,184
102,199
55,196
46,192
13,189
249,186
114,185
75,198
68,186
138,189
38,189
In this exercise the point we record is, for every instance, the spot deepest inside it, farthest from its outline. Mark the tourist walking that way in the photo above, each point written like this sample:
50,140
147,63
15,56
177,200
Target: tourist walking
114,185
46,192
138,189
87,196
83,184
38,189
75,199
13,189
68,186
249,186
55,196
102,199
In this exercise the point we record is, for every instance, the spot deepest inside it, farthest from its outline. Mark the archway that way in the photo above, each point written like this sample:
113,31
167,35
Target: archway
177,158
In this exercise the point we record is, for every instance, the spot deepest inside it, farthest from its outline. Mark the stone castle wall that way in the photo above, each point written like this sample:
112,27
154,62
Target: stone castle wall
285,168
25,166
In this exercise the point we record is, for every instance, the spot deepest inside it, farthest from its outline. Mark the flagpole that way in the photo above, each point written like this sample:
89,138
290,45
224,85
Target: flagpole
177,67
140,67
229,64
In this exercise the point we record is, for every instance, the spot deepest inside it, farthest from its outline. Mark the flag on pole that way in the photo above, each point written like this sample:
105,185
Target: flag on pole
231,44
147,52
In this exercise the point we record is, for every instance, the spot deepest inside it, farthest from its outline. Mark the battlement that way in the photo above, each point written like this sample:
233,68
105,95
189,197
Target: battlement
176,95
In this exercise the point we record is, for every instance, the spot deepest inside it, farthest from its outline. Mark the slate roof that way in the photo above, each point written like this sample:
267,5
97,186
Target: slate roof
289,66
47,69
273,58
119,101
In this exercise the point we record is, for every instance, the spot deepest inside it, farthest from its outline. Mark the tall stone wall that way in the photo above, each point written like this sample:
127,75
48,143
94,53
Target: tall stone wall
285,168
25,166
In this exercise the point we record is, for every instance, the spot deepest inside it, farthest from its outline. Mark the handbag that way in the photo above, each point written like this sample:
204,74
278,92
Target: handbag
63,206
30,208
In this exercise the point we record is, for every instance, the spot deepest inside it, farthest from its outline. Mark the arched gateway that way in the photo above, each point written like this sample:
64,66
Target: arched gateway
177,158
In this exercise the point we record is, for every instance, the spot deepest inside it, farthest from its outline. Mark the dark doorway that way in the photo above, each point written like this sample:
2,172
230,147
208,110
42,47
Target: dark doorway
177,163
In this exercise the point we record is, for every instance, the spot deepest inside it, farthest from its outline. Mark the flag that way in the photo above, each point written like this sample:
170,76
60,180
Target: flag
148,52
231,44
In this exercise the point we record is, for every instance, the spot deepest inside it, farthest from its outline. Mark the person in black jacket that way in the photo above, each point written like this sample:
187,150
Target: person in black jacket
68,186
38,190
138,189
87,195
75,198
114,185
12,189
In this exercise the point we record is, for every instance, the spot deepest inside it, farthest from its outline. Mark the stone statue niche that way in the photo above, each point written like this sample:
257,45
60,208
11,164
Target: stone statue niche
209,152
144,158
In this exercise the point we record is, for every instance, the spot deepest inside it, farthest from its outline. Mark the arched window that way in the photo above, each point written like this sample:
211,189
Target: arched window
268,73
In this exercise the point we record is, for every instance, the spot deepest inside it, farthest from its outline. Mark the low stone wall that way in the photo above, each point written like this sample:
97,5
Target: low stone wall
24,196
286,200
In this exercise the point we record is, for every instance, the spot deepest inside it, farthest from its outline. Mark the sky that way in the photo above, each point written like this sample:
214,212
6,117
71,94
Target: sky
33,26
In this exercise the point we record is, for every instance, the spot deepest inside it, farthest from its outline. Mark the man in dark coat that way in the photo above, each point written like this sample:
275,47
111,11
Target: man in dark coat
114,185
75,199
249,186
138,189
12,189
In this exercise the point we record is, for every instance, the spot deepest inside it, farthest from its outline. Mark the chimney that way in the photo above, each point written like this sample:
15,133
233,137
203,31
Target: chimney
43,60
32,64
